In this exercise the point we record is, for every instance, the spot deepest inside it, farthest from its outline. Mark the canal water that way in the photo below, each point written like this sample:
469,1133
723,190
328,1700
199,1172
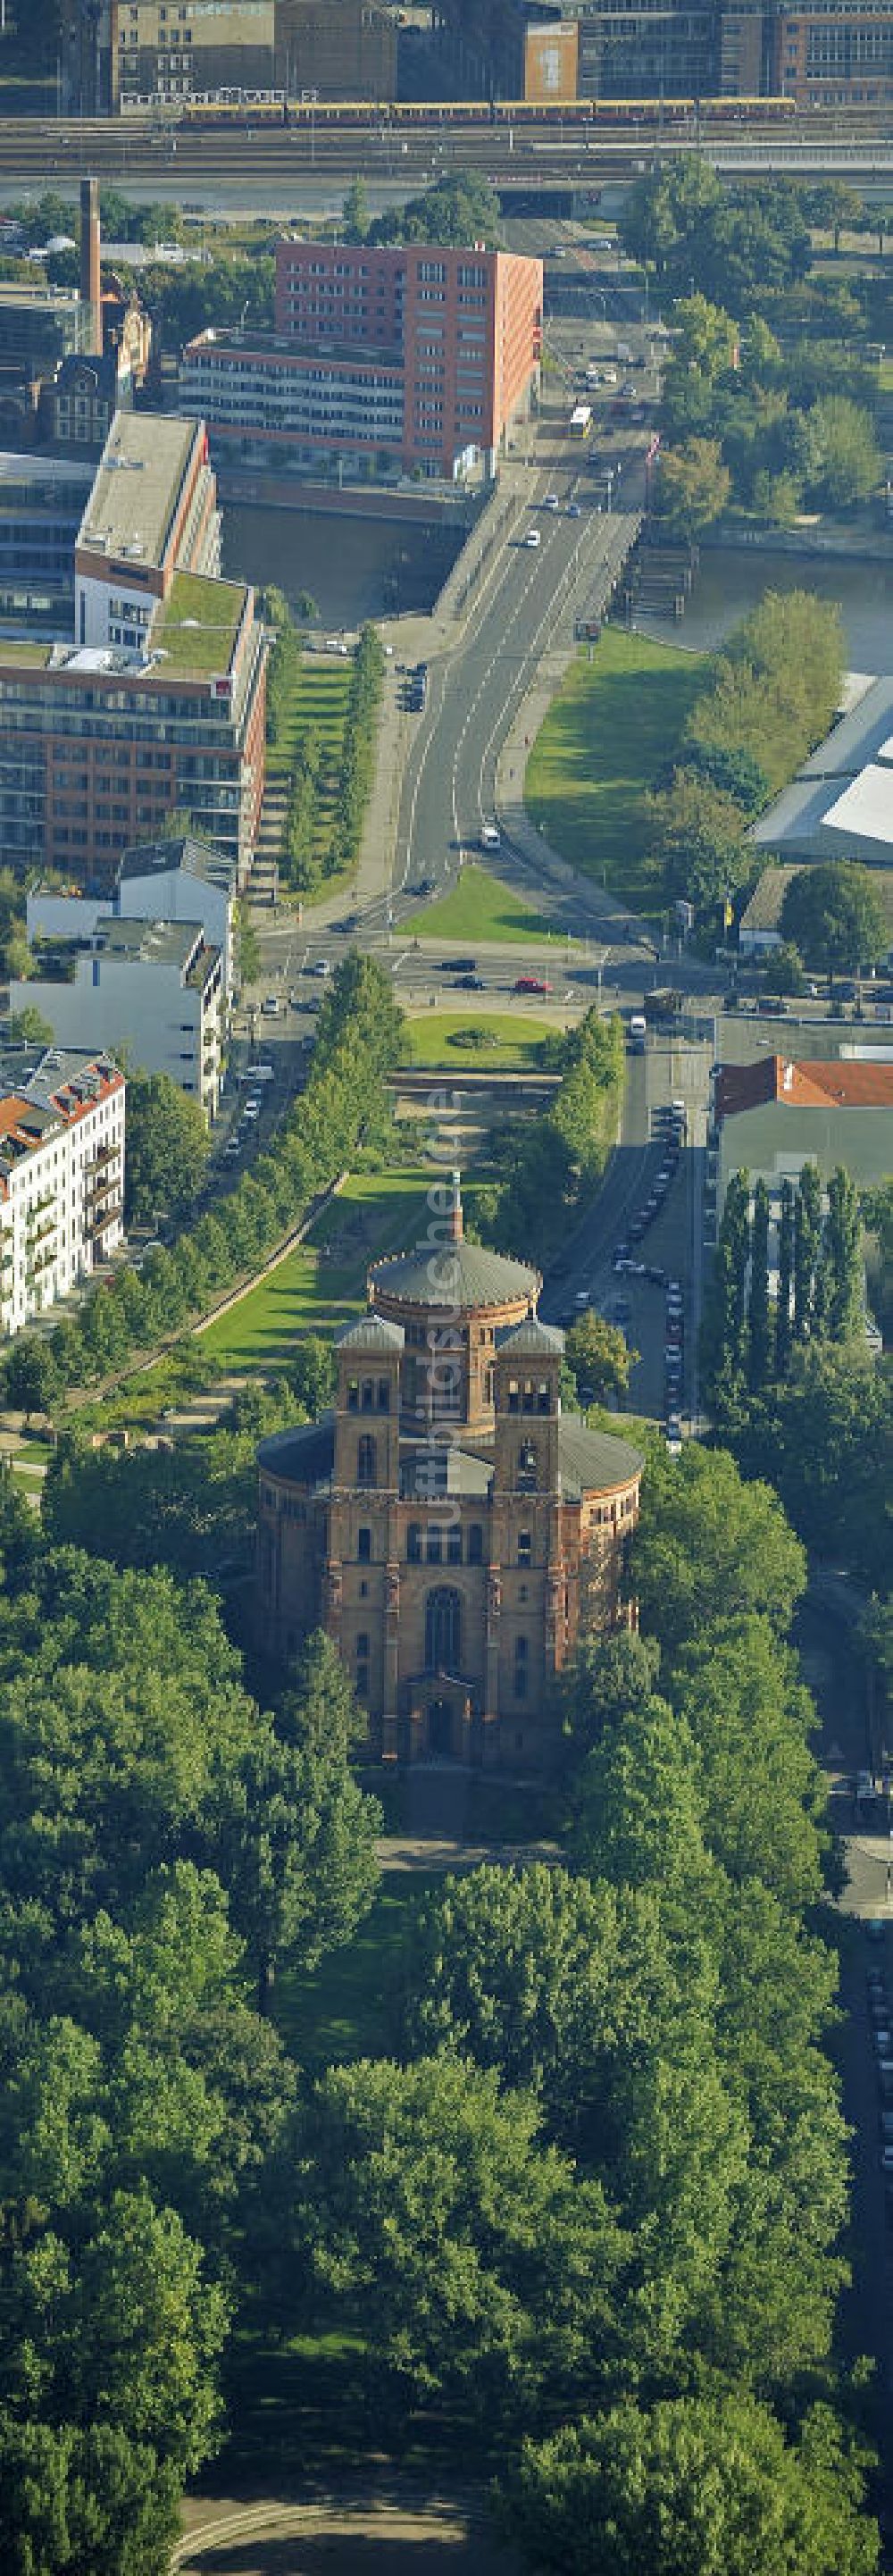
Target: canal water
353,568
730,580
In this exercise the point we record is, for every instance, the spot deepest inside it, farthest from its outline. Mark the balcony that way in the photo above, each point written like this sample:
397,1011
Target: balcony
98,1224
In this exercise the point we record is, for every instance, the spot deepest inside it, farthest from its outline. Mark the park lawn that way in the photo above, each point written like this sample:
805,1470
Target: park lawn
318,705
615,724
480,908
349,2006
312,1290
495,1043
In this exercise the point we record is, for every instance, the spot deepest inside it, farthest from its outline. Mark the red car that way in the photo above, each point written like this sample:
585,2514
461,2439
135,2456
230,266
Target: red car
531,984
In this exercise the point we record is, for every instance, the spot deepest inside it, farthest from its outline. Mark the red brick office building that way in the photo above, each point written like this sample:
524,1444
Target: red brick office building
421,354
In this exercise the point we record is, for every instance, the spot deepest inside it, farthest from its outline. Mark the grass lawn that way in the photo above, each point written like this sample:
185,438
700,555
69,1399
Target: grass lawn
614,724
318,706
348,2007
495,1043
198,624
480,908
314,1290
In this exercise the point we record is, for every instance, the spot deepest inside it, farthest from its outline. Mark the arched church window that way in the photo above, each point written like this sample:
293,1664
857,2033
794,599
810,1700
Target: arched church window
366,1460
443,1631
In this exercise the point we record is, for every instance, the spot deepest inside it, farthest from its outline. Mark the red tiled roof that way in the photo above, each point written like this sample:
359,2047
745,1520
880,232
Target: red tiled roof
843,1084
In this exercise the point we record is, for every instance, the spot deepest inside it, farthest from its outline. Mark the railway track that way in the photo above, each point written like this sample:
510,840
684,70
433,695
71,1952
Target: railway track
37,150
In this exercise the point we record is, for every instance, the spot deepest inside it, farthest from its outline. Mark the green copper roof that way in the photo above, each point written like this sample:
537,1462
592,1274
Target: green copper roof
460,1276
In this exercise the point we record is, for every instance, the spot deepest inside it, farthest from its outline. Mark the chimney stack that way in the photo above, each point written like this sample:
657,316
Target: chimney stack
91,290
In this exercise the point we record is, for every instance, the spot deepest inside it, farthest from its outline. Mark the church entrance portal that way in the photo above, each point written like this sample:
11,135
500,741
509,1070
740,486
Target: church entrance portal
440,1730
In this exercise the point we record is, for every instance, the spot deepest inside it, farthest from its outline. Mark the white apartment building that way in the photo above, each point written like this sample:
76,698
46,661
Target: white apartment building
178,879
61,1180
151,988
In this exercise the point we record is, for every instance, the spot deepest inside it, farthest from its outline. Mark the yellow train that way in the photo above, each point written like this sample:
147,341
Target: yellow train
259,109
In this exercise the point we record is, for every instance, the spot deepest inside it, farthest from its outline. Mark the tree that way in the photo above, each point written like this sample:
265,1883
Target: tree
724,1326
474,2263
600,1358
693,487
698,840
758,1318
303,1868
841,457
704,337
749,1718
834,208
783,971
827,1441
166,1150
783,1316
710,1546
834,915
356,211
707,2484
735,773
31,1382
807,1248
842,1259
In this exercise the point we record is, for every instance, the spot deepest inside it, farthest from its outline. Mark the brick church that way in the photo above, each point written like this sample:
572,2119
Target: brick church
451,1527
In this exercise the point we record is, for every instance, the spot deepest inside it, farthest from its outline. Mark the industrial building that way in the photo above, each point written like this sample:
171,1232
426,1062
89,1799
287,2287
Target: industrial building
419,356
841,804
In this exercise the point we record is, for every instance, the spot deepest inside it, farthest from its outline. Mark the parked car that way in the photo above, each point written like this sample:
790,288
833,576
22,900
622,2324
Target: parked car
573,510
551,501
271,1006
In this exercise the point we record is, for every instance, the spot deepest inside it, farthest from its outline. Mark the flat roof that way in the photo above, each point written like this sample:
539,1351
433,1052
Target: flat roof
196,626
168,943
866,806
19,295
137,482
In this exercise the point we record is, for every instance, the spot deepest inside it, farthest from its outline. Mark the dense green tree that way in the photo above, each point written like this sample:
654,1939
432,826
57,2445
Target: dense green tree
166,1148
841,457
834,915
749,1718
783,971
735,773
469,2256
603,1678
807,1248
698,2486
356,211
760,1354
303,1868
783,1315
724,1328
826,1440
461,208
600,1357
693,487
698,840
842,1259
710,1547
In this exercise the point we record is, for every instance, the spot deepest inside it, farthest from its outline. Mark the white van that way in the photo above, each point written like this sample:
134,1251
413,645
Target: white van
489,836
532,538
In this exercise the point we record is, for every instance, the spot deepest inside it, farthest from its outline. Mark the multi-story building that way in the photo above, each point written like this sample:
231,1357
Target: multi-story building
168,880
448,1524
421,356
158,704
41,507
174,49
155,988
834,57
61,1180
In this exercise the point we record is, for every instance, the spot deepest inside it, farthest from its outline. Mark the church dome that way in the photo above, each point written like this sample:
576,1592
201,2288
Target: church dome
455,1277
